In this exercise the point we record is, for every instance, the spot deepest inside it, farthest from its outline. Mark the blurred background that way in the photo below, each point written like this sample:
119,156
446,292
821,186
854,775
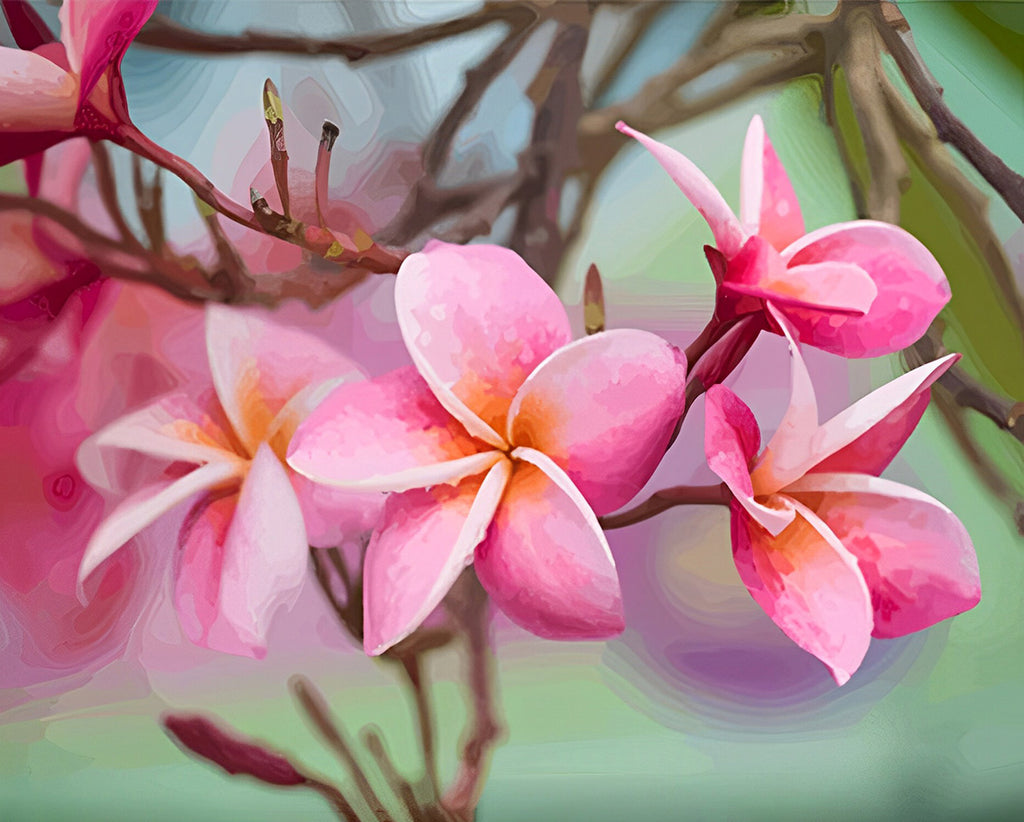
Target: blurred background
702,709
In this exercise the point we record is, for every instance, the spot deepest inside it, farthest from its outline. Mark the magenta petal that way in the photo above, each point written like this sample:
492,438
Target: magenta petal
425,539
199,569
881,422
265,553
259,364
477,320
768,205
603,408
385,434
809,585
911,288
916,556
698,189
866,436
788,453
731,440
545,561
759,271
96,34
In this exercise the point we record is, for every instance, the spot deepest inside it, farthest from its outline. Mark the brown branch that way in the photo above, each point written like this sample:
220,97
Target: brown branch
640,23
467,603
478,80
315,706
895,31
107,186
735,38
139,264
163,33
890,175
669,498
558,101
413,668
967,392
400,787
149,204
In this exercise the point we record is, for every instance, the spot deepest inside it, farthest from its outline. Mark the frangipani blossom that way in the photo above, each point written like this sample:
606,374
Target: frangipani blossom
244,544
834,553
56,90
502,444
859,289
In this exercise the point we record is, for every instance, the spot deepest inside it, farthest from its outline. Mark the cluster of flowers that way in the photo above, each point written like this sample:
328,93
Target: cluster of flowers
505,441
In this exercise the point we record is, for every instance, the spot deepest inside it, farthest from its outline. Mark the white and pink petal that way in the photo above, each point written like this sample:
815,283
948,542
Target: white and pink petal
477,320
915,554
425,539
259,558
385,434
146,506
768,204
604,408
699,190
545,561
259,364
809,585
911,288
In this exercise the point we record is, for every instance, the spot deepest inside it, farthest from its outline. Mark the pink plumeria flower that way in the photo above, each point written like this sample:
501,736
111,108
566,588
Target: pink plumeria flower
834,553
56,90
503,442
244,545
859,289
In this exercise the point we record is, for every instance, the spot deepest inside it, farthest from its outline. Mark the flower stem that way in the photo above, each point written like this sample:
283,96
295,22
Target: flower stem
668,498
468,604
129,137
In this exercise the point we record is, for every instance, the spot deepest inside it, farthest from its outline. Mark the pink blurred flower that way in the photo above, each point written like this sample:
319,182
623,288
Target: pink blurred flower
243,545
45,265
859,289
104,334
362,199
500,444
834,553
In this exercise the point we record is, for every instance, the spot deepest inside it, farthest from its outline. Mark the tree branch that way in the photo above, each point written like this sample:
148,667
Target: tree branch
668,498
895,31
163,33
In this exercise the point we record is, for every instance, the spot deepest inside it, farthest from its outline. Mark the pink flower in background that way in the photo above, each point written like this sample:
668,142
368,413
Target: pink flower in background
859,289
244,544
501,444
832,552
104,351
45,265
50,91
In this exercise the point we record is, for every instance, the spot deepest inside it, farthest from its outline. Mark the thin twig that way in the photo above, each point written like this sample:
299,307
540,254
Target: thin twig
895,31
315,706
107,186
478,80
468,604
413,668
558,101
163,33
668,498
890,175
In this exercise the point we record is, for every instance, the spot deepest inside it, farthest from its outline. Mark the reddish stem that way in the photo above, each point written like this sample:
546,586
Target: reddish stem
129,137
669,498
